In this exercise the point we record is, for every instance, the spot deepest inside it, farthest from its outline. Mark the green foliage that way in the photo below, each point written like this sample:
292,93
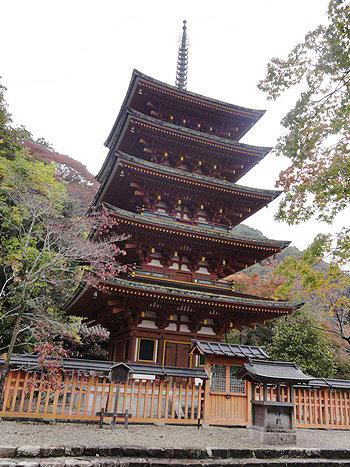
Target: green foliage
328,286
317,141
44,248
317,183
10,138
295,338
260,335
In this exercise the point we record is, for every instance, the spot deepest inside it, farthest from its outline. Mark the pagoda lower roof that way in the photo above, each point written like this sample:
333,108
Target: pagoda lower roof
195,231
191,178
156,290
181,133
188,98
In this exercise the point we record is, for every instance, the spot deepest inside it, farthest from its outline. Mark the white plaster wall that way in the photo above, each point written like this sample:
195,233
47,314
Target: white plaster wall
146,323
206,330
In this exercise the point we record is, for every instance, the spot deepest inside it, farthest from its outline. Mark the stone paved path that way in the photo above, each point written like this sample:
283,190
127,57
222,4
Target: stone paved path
14,433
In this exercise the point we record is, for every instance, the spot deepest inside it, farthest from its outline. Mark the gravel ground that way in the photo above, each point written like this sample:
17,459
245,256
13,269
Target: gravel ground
21,433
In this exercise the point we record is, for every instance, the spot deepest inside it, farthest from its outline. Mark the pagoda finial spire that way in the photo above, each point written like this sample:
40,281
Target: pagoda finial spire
182,60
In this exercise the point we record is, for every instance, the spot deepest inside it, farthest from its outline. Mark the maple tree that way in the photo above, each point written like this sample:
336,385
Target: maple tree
317,141
317,182
80,183
47,246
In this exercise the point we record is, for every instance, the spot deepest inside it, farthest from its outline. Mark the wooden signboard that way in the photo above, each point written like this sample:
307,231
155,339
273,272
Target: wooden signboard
119,373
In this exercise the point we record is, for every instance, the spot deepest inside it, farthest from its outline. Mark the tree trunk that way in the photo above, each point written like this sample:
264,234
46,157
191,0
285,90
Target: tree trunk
6,365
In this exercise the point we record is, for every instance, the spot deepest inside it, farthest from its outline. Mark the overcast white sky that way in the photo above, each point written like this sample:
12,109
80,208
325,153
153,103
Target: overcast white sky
67,65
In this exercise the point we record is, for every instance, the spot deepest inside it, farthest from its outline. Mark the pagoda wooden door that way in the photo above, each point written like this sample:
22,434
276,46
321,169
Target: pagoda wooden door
229,402
176,354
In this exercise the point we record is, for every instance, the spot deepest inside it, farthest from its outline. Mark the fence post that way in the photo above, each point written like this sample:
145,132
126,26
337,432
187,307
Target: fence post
206,399
250,389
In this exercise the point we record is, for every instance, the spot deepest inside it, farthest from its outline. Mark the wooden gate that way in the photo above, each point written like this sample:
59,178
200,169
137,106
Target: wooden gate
228,397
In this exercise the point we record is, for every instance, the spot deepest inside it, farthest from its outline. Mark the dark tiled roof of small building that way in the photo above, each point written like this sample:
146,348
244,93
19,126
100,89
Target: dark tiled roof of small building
330,383
220,349
271,372
30,362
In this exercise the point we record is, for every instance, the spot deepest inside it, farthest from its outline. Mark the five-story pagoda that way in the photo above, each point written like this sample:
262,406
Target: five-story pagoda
170,181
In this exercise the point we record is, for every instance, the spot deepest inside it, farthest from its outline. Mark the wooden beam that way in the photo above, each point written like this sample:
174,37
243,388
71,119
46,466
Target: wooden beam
113,302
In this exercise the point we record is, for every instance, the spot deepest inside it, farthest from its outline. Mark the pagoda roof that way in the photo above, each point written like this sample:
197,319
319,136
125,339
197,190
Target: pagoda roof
156,290
244,303
191,178
182,133
258,151
186,229
188,98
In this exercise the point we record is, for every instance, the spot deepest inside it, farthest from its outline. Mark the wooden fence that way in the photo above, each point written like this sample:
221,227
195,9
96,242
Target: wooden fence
322,408
316,408
80,397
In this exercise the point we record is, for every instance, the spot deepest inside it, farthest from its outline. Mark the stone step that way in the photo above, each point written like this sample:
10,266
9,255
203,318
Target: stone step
133,462
103,456
171,453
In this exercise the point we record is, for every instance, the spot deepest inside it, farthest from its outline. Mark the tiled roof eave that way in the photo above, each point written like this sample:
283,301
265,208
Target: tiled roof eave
257,113
222,349
194,230
257,151
157,290
196,177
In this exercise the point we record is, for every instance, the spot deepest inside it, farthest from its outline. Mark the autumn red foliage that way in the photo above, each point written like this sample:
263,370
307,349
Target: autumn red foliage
81,184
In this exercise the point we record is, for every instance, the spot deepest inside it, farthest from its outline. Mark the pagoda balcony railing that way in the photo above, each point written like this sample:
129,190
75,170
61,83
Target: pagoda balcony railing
174,276
170,217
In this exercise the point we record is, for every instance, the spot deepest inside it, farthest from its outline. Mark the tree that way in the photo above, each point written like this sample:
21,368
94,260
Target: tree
317,142
47,246
44,247
80,183
294,338
327,290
